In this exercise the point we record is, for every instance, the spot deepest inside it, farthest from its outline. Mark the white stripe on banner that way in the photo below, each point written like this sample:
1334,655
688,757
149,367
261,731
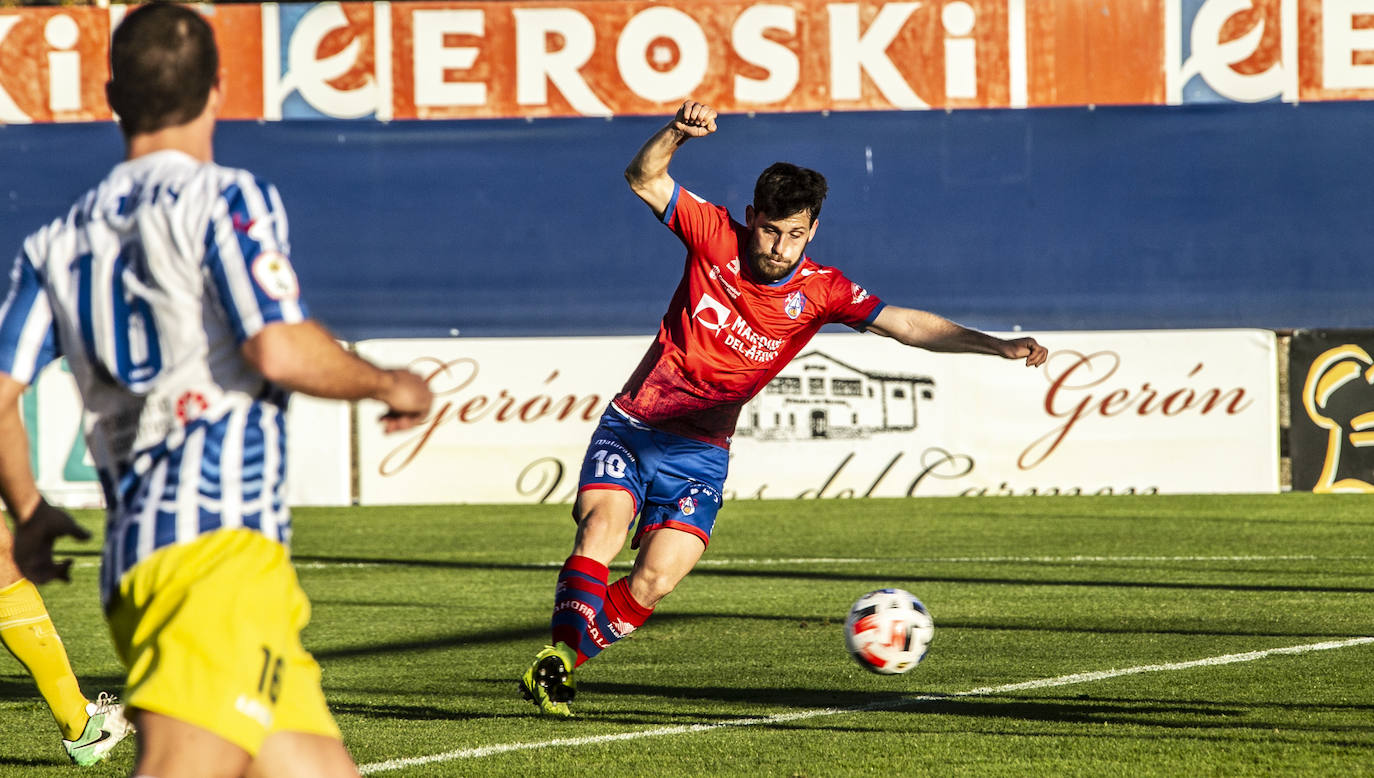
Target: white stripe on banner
1042,683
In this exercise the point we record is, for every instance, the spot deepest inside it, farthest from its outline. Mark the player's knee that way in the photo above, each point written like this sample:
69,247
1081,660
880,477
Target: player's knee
648,586
9,571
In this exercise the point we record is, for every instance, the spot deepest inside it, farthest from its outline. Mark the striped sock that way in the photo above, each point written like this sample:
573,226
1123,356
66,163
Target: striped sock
623,613
576,603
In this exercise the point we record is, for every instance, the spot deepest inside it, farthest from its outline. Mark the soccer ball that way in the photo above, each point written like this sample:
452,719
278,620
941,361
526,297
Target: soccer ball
888,631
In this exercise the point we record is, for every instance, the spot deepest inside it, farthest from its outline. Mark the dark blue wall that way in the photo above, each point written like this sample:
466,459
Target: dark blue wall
1148,217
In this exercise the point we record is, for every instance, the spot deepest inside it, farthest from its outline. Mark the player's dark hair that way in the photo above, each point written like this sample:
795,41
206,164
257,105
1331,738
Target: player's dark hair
784,189
163,62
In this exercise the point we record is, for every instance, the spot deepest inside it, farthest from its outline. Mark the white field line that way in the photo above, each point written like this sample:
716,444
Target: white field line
1041,683
731,562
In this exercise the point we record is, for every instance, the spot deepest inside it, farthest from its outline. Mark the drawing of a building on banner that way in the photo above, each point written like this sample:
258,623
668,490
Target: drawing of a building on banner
818,396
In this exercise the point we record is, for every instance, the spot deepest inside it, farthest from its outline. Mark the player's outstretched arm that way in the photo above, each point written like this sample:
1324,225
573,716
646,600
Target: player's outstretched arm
932,332
37,524
647,173
304,357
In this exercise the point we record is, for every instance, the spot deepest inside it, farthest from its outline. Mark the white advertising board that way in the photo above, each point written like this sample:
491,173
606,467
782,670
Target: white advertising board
856,415
318,448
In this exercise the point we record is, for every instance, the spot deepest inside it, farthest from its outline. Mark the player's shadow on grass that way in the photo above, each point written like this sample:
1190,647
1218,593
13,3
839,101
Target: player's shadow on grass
30,762
751,696
535,634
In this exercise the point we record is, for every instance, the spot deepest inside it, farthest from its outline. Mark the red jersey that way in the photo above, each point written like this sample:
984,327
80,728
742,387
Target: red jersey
726,336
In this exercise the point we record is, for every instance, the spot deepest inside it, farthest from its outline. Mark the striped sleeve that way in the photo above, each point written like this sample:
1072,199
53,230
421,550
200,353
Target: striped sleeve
247,257
27,337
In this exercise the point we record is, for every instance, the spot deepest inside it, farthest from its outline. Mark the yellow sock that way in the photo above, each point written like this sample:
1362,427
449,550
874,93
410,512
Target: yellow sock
28,633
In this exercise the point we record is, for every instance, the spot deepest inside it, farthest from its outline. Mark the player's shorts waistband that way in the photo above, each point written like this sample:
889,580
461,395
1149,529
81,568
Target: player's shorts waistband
629,417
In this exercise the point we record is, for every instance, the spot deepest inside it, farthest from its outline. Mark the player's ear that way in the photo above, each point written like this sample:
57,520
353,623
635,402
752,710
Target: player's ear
216,99
815,224
749,216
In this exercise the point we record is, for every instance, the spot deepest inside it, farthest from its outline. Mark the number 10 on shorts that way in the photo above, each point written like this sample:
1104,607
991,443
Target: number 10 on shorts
609,463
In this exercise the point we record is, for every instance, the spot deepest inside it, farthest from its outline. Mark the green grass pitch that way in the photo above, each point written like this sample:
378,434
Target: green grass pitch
1074,636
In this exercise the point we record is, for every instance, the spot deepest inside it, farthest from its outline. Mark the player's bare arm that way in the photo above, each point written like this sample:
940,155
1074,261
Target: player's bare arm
932,332
37,524
647,173
304,357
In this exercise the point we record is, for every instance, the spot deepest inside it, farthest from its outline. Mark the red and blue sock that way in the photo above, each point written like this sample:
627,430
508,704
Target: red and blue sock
589,615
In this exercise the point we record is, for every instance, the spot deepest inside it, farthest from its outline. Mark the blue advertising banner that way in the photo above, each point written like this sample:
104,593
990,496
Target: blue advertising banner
1137,217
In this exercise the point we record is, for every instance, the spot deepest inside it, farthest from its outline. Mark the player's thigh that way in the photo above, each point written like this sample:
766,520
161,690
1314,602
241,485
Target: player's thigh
301,755
685,493
171,748
621,459
603,522
210,633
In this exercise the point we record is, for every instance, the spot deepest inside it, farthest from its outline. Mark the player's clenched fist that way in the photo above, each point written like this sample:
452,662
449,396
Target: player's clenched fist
1034,353
695,119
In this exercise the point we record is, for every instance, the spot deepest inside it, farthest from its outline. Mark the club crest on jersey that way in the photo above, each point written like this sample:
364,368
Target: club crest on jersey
794,305
860,293
274,275
190,405
688,505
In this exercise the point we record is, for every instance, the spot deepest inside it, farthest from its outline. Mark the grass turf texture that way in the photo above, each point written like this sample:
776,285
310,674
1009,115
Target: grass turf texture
425,616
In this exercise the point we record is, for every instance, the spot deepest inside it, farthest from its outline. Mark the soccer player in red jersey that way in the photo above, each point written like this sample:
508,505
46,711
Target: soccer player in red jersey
749,300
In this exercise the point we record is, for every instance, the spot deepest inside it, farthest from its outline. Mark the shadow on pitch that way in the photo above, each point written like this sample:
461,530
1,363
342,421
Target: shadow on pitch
536,634
405,712
1074,711
26,762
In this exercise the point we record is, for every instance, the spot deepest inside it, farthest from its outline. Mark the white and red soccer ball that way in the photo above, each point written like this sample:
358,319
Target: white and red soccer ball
888,631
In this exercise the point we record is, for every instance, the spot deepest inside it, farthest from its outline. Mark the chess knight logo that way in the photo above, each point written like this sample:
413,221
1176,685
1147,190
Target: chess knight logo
1338,395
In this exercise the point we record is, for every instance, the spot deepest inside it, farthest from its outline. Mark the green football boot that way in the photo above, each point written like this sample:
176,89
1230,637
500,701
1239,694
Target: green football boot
104,729
549,682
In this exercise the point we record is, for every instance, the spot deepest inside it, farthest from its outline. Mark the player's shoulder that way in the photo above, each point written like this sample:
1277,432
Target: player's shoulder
231,181
37,244
686,198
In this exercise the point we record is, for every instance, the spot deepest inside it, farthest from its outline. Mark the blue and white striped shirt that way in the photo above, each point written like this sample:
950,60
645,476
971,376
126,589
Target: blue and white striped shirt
148,286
